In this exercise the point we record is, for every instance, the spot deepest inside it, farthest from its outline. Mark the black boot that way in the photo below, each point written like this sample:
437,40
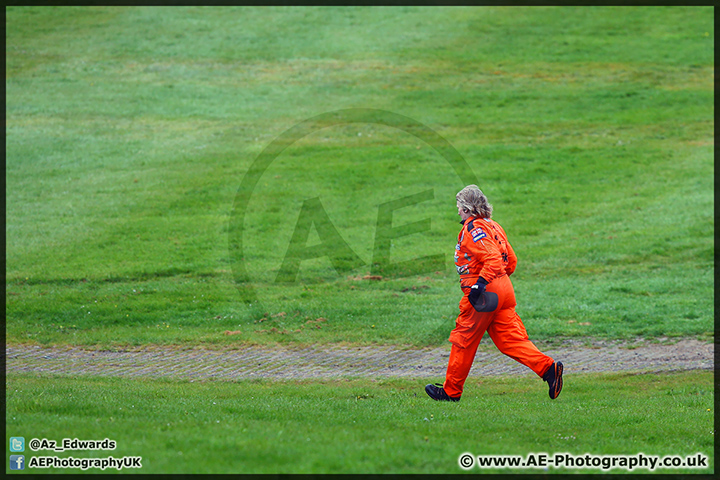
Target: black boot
437,392
554,379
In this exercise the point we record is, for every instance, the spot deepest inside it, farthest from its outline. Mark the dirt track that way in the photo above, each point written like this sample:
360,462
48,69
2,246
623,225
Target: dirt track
342,361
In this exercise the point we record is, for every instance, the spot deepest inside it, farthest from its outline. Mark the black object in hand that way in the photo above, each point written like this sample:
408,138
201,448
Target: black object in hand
476,293
481,300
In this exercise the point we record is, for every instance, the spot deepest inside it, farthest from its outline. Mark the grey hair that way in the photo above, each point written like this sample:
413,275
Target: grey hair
471,198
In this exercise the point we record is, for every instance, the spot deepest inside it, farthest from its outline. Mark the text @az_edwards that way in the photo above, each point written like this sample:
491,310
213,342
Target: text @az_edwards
68,444
586,461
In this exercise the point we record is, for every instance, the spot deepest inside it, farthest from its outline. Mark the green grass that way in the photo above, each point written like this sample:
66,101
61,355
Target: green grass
129,132
364,426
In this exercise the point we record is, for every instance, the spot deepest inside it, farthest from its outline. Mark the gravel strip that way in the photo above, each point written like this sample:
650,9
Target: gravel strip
318,362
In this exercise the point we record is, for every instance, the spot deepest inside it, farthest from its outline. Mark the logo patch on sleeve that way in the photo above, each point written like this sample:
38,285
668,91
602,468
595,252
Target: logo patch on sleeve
478,234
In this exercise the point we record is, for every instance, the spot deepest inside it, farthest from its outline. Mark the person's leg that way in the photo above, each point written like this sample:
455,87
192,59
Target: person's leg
459,365
509,335
465,338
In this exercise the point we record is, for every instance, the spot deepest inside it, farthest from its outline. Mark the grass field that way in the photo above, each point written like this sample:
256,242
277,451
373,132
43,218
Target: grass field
135,141
361,426
130,130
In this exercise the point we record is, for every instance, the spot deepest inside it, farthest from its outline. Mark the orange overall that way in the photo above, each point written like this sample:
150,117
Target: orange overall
483,251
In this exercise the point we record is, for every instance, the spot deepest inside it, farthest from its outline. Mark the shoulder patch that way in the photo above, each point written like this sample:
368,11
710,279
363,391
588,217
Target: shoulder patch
478,234
470,225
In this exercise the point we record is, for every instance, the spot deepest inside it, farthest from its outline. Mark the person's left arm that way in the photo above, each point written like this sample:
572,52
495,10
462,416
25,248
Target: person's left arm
512,258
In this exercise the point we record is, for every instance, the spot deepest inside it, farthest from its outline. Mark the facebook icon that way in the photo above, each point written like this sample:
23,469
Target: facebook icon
17,462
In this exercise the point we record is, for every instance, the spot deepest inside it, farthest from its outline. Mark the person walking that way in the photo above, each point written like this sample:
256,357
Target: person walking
485,260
